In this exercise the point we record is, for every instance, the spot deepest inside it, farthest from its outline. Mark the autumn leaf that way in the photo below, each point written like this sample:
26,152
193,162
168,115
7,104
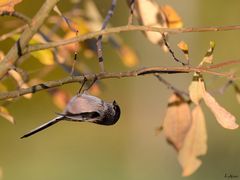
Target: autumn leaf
177,120
128,56
92,13
60,98
18,78
173,19
150,14
184,48
95,90
44,56
208,58
8,5
196,88
224,118
195,143
6,115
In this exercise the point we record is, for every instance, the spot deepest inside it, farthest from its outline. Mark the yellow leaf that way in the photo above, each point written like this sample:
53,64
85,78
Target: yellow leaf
195,143
173,19
5,114
224,118
20,82
128,56
150,14
196,88
177,120
44,56
8,5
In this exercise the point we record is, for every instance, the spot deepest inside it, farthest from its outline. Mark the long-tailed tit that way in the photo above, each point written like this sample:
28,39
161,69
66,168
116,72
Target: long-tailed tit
85,108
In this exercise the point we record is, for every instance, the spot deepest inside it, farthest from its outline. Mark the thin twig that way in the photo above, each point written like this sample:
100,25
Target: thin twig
131,7
128,28
99,39
170,86
11,33
134,73
171,51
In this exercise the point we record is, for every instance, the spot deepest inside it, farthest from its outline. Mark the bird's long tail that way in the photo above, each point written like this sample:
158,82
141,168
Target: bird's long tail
44,126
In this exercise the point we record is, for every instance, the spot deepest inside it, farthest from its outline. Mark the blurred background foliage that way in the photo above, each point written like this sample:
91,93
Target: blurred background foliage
130,149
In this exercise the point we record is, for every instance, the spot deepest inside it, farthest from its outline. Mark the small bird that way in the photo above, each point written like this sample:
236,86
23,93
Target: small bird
85,108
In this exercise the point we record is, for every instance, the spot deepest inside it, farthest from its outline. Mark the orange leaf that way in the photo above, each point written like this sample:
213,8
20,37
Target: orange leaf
95,90
8,5
224,118
173,19
60,98
128,56
195,143
184,47
177,120
5,114
196,88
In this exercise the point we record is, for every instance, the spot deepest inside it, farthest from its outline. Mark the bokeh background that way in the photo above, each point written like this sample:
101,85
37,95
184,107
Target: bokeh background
131,149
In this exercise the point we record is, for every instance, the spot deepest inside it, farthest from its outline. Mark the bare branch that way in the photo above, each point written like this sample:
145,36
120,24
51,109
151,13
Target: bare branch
128,28
90,77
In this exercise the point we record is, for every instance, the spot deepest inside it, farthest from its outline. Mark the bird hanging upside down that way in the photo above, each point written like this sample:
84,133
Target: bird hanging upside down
85,108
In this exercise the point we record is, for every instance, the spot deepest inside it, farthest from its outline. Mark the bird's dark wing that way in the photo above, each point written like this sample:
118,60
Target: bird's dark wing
44,126
86,116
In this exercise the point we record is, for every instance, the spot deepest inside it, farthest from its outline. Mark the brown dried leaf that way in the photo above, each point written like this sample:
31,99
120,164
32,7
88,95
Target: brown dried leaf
173,19
92,13
177,121
196,88
18,78
8,5
150,14
224,118
5,114
195,143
